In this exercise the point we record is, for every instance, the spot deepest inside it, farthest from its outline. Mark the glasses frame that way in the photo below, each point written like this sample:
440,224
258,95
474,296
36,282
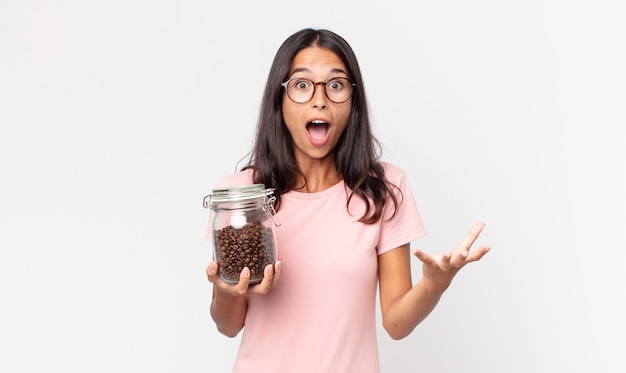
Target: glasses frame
315,84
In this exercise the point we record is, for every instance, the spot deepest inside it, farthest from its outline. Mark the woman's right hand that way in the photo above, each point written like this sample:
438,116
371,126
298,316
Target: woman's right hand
271,276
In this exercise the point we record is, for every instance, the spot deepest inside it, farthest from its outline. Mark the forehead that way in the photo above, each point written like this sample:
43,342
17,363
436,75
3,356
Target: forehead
317,60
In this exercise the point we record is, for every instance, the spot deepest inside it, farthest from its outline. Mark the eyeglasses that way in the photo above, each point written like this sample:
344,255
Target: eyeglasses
301,90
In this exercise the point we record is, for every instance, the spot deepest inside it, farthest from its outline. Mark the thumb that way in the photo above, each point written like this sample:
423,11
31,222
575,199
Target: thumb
422,256
211,271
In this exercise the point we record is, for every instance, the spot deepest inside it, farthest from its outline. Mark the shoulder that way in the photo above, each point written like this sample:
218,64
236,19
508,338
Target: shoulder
393,173
244,177
391,168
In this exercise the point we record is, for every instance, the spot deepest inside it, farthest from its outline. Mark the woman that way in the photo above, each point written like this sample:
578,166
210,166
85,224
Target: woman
347,222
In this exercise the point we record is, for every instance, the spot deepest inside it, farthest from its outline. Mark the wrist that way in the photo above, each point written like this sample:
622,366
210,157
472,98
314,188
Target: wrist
432,289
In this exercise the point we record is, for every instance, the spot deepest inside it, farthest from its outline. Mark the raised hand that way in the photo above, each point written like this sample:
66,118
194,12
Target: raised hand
439,270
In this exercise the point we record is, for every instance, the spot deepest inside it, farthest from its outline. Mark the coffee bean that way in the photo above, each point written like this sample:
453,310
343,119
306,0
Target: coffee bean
250,246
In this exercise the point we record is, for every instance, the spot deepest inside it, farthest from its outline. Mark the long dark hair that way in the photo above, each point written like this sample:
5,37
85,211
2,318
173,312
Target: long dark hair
357,152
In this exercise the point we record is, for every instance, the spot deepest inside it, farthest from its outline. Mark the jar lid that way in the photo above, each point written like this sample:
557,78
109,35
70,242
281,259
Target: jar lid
252,193
238,193
244,195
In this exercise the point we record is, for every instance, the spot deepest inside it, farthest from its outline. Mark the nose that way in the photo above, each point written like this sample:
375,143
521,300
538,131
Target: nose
319,99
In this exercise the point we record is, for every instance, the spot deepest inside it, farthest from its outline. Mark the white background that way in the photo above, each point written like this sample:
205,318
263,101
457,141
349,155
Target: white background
117,117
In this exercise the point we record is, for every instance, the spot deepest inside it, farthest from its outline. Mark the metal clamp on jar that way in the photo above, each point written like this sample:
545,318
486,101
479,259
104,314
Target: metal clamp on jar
243,230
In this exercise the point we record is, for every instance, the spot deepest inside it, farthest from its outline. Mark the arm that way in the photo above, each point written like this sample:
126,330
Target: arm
228,312
229,304
404,306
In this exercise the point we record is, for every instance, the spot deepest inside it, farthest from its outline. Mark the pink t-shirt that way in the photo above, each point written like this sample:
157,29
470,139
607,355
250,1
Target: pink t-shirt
321,316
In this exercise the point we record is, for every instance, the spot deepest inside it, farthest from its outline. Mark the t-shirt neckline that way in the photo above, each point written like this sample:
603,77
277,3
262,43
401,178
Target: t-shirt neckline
320,194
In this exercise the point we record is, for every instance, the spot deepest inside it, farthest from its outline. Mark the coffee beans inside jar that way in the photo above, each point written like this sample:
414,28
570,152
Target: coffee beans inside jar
251,245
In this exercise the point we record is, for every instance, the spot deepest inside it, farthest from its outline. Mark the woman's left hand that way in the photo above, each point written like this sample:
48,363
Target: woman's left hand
439,270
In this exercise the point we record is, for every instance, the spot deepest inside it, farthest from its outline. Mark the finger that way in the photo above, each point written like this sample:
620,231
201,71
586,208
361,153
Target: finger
458,258
278,266
471,236
264,286
478,253
211,272
445,261
244,280
442,262
424,258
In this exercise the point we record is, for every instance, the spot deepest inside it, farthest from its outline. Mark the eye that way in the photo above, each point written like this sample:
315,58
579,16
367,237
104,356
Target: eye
335,84
301,85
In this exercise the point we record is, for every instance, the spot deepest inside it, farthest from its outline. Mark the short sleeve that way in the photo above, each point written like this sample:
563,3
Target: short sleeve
406,225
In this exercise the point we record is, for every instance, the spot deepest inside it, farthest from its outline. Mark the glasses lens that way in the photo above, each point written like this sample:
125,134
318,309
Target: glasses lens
300,90
338,90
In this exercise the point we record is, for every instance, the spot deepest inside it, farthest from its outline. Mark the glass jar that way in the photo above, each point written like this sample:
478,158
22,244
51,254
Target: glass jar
243,230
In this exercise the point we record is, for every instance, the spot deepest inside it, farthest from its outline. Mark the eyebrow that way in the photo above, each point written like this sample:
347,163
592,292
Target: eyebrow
304,69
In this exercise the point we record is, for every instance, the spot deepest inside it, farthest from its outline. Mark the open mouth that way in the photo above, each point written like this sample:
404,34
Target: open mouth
317,129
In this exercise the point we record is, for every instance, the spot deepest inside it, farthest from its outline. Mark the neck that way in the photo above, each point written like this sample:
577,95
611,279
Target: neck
317,176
